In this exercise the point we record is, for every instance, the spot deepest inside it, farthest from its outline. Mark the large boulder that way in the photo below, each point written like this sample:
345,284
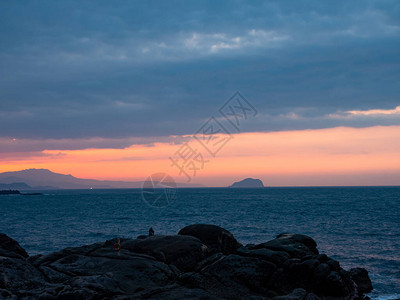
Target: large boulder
296,245
338,284
362,280
7,244
184,252
216,238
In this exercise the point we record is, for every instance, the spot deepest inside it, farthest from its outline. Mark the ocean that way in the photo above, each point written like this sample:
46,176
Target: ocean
358,226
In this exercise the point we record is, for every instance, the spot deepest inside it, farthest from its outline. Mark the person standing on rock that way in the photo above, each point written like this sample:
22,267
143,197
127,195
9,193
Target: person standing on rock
151,231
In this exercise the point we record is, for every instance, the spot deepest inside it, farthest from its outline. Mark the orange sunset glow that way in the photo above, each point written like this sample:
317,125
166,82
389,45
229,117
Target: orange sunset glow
302,157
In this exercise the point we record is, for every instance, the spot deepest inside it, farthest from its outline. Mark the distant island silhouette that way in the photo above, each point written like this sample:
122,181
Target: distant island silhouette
248,183
43,179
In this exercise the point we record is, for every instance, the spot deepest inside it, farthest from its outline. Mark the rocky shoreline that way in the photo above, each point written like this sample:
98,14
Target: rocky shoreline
200,262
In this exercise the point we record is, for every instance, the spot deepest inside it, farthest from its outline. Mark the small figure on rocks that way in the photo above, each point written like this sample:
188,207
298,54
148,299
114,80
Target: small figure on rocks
151,231
117,245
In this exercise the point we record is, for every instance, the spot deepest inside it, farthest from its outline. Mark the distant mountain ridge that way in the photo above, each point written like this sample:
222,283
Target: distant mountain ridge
248,183
46,179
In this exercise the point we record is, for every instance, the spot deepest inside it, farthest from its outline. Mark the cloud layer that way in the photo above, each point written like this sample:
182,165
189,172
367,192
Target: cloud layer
73,71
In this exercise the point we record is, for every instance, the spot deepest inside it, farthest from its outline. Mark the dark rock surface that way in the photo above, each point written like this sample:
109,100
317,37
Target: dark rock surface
361,278
7,244
201,262
216,238
184,252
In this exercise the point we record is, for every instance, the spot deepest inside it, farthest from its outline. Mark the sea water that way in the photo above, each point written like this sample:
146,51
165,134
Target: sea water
358,226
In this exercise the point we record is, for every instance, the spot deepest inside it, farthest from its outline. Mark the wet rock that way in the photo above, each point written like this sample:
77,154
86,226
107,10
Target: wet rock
311,296
296,294
17,275
361,279
7,244
323,258
208,261
216,238
276,257
296,245
300,238
4,294
182,251
53,276
180,267
177,292
334,285
320,273
236,276
301,273
290,262
334,265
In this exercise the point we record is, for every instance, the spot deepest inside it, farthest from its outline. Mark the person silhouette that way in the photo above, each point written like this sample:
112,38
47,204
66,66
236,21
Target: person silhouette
151,231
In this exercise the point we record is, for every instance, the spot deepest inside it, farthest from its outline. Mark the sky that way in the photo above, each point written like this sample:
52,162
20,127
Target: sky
114,90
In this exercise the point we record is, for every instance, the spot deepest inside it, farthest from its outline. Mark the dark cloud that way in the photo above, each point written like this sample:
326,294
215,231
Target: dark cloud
158,68
18,146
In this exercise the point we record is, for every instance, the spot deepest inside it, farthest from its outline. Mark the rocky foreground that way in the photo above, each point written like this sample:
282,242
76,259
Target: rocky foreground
201,262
